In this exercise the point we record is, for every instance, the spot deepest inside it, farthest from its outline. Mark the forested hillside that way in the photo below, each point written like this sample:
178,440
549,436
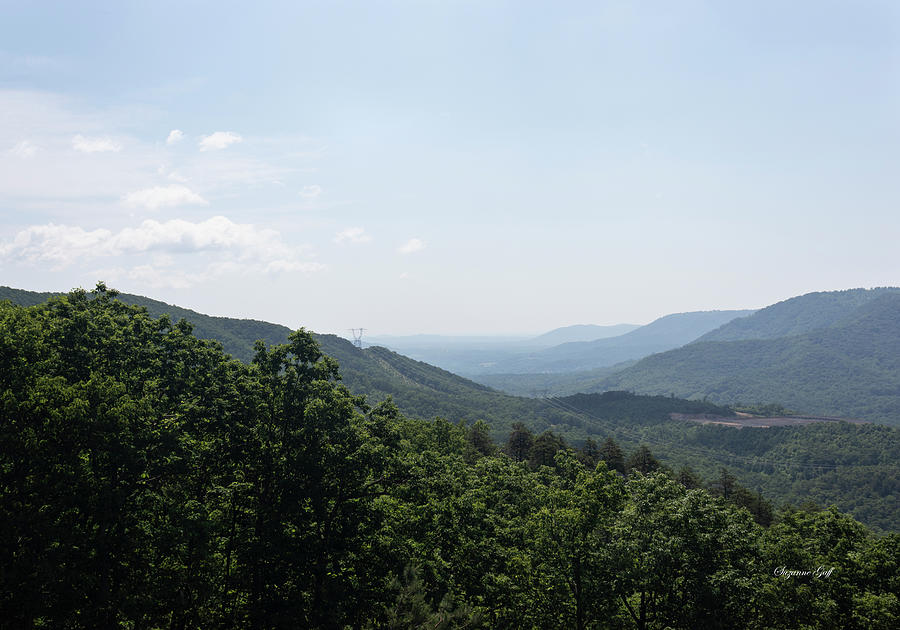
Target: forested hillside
418,389
423,391
798,315
849,369
148,480
237,336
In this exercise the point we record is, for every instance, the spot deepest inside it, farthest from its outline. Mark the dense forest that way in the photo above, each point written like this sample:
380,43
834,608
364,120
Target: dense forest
833,353
800,315
150,480
418,389
851,466
851,368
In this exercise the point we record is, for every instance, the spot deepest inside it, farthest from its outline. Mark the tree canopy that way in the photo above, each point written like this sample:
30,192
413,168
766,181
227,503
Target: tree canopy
148,480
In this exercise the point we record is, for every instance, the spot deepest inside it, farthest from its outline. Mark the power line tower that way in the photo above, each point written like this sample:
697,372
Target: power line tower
357,336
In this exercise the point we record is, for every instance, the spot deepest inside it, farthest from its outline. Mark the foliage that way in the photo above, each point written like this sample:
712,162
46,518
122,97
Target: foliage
850,369
148,480
418,389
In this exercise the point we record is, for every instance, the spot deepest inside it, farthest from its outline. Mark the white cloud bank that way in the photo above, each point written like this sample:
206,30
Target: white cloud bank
175,136
164,197
235,247
412,245
219,140
352,235
95,145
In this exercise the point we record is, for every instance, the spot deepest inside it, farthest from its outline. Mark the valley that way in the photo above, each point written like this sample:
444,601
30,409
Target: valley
607,406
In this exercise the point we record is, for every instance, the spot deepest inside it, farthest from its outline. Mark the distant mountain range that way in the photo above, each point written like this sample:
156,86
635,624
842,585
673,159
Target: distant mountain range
470,355
581,332
567,349
834,353
830,353
662,334
842,357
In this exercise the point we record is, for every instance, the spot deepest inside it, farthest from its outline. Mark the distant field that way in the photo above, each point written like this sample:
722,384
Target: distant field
742,420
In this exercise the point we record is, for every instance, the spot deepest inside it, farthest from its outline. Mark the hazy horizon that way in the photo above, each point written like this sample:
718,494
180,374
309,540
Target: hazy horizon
465,168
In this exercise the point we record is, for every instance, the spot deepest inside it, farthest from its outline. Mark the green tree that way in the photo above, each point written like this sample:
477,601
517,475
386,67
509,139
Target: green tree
520,441
543,450
572,531
688,478
642,461
684,559
589,453
479,437
611,453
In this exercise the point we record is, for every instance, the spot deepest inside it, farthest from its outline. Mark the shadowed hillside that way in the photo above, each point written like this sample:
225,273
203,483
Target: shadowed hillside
418,389
850,369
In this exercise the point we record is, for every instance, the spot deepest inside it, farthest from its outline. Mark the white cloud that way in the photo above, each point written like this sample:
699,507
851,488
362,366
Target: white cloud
175,136
352,235
311,192
59,244
24,149
219,140
95,145
88,190
233,247
164,197
412,245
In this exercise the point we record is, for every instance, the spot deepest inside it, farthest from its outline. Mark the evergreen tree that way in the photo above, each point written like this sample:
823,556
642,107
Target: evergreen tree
642,460
612,455
520,442
543,450
479,438
688,478
589,453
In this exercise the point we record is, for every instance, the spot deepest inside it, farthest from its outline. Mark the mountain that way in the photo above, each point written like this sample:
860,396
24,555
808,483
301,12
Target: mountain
418,389
858,469
662,334
581,332
849,366
472,355
798,315
459,354
237,336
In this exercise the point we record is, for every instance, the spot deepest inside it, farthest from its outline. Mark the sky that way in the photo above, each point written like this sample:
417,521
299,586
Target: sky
450,167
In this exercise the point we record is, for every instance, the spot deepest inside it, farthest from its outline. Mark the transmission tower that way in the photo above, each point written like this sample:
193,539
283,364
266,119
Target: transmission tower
357,336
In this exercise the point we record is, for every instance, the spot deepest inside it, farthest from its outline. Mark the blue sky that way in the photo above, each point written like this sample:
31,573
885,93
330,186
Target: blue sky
450,166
